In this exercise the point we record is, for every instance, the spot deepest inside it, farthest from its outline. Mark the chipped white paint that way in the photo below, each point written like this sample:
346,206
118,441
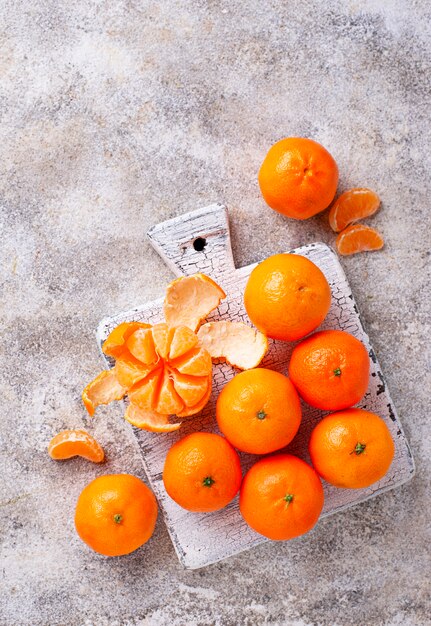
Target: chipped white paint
201,539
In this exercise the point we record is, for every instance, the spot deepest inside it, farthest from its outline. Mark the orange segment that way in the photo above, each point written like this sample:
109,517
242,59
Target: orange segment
162,336
241,345
191,389
141,345
169,401
184,339
358,238
351,206
200,405
196,362
70,443
102,390
149,420
145,394
190,299
130,371
114,343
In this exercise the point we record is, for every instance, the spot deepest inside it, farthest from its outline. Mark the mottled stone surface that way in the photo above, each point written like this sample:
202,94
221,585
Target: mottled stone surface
117,115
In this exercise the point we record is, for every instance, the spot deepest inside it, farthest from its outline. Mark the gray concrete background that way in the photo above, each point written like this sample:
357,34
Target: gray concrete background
117,115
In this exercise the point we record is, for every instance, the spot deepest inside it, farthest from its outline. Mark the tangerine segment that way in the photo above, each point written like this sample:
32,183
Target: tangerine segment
102,390
145,393
169,401
196,362
196,408
358,238
184,339
162,336
149,420
141,345
130,371
241,346
70,443
190,299
351,206
191,389
114,343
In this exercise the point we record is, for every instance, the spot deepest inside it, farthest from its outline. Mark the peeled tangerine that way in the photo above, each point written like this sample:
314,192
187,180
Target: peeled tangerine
166,369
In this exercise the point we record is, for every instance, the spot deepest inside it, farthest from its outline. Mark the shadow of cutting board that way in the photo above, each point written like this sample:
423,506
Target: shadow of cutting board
199,241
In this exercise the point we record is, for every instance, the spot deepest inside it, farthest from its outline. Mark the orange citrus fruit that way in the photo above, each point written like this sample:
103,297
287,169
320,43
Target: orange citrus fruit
202,472
330,369
259,411
116,514
298,177
287,296
69,443
358,238
351,448
281,497
351,206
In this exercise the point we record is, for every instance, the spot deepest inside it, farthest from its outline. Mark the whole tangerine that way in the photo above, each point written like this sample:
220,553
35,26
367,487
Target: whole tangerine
352,448
287,296
259,411
298,177
116,514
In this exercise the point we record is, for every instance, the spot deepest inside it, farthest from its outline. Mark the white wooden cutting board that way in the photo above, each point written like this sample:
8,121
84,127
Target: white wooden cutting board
201,539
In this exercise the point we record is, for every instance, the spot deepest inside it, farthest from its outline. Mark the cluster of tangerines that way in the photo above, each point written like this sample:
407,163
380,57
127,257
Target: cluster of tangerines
166,369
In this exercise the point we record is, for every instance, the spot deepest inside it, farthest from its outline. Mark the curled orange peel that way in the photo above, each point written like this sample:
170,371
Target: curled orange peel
102,390
190,299
241,346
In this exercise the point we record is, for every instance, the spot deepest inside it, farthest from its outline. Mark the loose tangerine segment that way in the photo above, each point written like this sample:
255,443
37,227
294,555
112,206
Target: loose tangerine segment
184,339
130,371
102,390
149,420
141,345
196,362
351,206
70,443
241,346
190,299
114,343
191,389
358,238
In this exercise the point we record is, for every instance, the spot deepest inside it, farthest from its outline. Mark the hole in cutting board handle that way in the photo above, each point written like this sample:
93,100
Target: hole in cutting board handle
199,244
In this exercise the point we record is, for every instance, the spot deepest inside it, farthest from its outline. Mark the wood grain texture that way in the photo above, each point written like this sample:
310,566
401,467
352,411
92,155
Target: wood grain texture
202,539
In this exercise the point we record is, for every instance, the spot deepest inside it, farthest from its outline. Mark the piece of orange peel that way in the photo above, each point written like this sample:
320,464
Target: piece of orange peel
165,369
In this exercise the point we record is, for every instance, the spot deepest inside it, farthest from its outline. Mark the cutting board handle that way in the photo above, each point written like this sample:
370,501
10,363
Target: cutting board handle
198,241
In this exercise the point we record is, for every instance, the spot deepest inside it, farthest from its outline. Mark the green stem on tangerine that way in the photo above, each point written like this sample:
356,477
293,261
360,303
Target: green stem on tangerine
261,415
288,498
118,518
358,449
208,481
337,372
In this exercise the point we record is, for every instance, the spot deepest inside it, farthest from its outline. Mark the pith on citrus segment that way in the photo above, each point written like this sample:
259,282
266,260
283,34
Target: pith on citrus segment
281,497
259,411
116,514
358,238
202,472
241,346
330,369
287,296
69,443
298,177
141,345
102,390
351,448
190,299
352,206
114,344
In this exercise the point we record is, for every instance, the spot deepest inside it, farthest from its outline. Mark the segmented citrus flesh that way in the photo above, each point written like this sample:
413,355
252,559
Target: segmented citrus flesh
141,345
116,340
352,206
241,346
69,443
358,238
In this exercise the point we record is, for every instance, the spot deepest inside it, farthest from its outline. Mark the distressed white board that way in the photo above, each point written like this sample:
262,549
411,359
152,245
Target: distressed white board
201,539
